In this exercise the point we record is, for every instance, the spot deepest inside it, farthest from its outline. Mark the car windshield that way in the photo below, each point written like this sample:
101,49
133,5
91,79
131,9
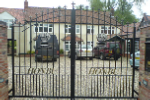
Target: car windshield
88,47
112,45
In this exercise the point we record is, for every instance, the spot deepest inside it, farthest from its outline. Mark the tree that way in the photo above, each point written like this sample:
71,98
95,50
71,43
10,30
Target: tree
122,9
81,6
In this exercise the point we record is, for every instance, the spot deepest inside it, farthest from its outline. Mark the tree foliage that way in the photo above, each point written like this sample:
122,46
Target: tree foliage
122,8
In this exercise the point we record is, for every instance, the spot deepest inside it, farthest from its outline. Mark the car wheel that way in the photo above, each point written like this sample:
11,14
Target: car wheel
91,58
54,59
102,56
116,58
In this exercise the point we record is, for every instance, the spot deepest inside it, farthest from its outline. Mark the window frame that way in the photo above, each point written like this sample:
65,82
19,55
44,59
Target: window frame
69,27
90,28
107,28
39,26
69,43
8,22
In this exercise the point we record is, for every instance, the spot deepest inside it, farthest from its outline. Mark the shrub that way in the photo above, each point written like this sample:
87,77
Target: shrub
61,51
32,52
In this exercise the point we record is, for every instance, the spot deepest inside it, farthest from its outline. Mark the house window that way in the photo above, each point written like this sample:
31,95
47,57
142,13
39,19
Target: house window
128,46
67,45
136,46
44,28
68,29
107,30
90,43
8,21
77,28
90,30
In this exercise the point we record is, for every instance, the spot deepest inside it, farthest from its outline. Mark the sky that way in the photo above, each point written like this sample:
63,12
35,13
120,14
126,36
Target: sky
62,3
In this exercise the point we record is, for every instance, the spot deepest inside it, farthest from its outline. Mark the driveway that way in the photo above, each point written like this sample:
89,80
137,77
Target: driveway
53,78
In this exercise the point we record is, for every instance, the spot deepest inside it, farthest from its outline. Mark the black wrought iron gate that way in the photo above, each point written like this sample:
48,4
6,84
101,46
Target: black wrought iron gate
68,77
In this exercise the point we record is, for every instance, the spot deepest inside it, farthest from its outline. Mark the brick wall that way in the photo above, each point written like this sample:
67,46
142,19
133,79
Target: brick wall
144,77
3,62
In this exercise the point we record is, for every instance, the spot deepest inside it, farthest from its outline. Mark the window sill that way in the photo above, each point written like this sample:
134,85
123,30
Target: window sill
127,52
90,33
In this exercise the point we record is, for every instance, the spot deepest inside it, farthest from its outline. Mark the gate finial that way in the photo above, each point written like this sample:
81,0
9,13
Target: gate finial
73,4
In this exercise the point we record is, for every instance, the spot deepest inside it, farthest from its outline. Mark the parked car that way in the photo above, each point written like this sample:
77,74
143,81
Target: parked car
137,59
109,49
44,47
82,52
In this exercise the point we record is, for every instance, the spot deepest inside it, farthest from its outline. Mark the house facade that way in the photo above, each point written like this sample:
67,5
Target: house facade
58,22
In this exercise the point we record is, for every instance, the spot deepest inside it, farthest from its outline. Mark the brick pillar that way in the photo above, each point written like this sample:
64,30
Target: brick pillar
144,76
3,62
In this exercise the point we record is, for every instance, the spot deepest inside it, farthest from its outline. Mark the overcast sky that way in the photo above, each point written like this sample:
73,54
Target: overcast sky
62,3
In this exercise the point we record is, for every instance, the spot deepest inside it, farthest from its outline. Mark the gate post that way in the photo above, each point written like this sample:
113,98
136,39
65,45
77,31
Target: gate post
3,62
144,73
72,52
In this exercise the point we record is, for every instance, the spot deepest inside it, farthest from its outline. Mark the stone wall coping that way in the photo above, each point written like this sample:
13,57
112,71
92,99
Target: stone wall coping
145,26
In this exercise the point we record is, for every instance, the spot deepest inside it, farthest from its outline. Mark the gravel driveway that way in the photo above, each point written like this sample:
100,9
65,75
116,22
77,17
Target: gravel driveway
53,78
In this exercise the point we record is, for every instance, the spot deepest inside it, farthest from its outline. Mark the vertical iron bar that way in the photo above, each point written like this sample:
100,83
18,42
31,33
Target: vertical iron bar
24,60
36,57
42,54
121,54
115,44
19,59
103,60
59,50
98,49
16,83
100,85
50,84
47,47
56,85
22,85
65,55
91,85
39,85
134,32
115,57
129,86
86,45
68,85
30,49
109,49
80,48
92,48
127,60
62,85
53,50
72,52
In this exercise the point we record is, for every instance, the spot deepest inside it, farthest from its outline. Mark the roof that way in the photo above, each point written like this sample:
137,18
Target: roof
65,16
128,30
68,38
145,20
115,38
17,13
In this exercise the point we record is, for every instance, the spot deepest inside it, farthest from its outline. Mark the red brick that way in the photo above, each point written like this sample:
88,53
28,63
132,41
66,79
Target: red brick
1,61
